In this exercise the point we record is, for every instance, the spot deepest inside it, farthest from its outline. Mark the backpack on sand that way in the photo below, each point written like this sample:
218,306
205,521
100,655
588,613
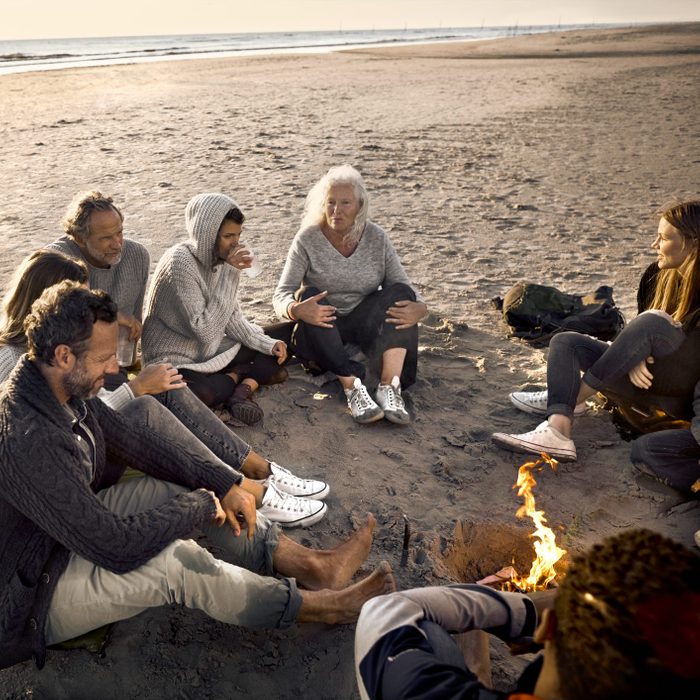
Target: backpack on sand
535,312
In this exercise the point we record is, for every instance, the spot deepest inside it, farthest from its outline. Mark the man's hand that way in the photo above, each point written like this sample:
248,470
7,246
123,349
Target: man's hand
133,324
155,379
404,314
310,311
543,600
279,350
640,375
240,258
238,502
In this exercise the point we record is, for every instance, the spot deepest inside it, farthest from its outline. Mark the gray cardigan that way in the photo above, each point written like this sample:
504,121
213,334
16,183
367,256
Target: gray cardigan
48,507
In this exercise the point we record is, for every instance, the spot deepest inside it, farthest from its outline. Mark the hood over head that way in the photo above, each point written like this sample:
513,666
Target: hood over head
203,216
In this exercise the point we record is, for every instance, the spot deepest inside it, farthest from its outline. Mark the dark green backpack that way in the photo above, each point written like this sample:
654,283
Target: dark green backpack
535,312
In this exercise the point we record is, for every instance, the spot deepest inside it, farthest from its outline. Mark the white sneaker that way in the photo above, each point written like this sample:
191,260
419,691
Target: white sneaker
286,482
543,438
290,511
390,401
361,404
535,402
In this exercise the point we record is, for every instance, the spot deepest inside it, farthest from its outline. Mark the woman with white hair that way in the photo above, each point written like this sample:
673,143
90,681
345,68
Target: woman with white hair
344,283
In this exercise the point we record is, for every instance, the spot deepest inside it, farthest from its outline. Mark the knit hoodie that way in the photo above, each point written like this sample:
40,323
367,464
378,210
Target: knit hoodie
193,318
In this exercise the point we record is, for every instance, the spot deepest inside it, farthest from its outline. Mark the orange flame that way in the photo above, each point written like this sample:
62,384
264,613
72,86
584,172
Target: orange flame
542,571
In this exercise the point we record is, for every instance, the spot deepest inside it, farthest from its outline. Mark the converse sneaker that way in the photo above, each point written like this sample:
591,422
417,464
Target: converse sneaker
361,405
390,401
290,511
543,438
535,402
286,482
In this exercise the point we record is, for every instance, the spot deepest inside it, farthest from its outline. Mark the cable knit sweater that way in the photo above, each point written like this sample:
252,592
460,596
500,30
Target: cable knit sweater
48,507
125,282
193,318
314,262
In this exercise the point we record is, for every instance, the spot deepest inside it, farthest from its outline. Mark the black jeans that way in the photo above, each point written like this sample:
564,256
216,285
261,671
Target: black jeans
216,388
670,455
365,326
606,366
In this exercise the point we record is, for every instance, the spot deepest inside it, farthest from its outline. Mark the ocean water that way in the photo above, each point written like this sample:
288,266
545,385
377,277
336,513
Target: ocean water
53,54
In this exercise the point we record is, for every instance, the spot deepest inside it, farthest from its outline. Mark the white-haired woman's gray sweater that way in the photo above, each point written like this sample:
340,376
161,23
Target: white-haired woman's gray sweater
193,318
313,261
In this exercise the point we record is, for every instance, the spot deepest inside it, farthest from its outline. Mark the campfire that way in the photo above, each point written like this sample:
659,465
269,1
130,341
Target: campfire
542,572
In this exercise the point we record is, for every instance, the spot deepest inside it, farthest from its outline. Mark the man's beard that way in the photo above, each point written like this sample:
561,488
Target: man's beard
79,385
101,257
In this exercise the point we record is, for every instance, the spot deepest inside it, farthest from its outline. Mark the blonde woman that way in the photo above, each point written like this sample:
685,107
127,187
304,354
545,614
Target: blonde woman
654,362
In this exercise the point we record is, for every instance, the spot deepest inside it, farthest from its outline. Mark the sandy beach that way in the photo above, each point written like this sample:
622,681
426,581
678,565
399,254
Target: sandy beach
537,158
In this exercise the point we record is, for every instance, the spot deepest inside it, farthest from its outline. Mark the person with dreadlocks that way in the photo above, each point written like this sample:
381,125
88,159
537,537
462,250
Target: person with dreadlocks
624,624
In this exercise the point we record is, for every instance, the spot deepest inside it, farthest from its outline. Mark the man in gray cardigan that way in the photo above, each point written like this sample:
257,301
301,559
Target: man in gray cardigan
80,549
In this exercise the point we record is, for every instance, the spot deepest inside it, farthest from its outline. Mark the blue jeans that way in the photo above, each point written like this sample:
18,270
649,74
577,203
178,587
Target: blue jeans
672,456
606,366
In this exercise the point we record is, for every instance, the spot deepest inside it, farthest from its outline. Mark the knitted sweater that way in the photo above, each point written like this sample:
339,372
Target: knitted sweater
125,282
312,261
48,506
193,318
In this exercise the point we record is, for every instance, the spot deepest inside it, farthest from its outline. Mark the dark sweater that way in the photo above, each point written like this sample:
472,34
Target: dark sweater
48,507
675,374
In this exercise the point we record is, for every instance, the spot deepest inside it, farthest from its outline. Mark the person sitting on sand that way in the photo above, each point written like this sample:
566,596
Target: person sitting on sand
194,320
79,550
623,625
288,500
344,283
94,233
654,364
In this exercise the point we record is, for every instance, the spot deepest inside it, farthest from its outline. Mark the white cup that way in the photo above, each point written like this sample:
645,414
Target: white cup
126,349
255,268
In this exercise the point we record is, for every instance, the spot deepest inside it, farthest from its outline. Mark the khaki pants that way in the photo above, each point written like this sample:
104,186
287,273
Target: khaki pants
88,596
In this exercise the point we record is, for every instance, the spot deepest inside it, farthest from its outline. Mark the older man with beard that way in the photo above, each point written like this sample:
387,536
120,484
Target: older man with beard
94,233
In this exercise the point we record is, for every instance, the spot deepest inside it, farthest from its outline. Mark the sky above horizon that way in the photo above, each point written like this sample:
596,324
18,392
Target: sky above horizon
39,19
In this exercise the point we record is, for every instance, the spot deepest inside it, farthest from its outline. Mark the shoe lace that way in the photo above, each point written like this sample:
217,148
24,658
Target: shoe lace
285,502
361,398
284,476
394,402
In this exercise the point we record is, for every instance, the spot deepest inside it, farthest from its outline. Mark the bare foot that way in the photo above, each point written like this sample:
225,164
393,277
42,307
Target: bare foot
334,568
343,607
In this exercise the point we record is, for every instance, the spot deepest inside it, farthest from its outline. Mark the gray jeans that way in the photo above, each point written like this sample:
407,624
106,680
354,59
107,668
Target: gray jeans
606,366
205,425
88,596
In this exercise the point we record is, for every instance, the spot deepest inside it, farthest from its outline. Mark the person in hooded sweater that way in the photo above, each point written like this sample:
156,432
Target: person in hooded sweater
193,318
